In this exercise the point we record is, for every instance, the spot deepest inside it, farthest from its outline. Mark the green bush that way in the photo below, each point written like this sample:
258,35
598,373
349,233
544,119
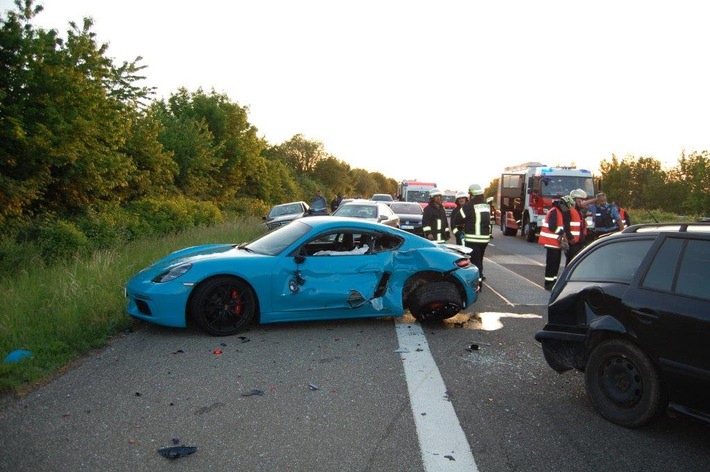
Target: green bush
166,216
55,239
245,206
109,225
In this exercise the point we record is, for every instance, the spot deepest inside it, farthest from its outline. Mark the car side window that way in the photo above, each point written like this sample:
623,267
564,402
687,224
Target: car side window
661,273
694,274
613,262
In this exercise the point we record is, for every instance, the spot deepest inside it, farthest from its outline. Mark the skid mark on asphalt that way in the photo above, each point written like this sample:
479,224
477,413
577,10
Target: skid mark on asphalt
442,441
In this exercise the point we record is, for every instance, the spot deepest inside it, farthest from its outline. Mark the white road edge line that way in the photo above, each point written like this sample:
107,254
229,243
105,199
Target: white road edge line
442,442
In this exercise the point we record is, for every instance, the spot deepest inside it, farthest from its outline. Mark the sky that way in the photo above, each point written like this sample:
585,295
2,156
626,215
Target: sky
450,91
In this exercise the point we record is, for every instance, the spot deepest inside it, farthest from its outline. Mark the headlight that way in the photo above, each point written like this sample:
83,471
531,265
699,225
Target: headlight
172,274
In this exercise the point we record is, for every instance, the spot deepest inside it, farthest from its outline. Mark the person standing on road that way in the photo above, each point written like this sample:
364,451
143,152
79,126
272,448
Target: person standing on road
435,224
476,216
580,200
457,220
335,203
606,216
560,230
623,214
319,205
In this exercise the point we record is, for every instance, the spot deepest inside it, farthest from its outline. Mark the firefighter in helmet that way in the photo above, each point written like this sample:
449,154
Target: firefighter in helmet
456,218
435,224
559,232
476,216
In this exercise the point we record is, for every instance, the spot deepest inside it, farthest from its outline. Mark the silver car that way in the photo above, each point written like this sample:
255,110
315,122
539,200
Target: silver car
373,211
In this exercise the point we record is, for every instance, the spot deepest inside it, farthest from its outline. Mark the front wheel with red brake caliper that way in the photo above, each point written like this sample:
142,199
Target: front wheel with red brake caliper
223,306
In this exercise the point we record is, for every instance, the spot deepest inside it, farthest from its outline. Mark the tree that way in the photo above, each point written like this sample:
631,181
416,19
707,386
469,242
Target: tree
66,111
334,174
301,154
693,172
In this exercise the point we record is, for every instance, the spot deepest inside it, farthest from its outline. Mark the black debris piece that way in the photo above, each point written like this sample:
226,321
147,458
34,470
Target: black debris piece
223,344
256,391
244,339
473,347
179,351
175,452
451,458
138,394
176,441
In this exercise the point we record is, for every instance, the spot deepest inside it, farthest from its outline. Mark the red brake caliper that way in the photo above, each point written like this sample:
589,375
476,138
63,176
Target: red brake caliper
236,305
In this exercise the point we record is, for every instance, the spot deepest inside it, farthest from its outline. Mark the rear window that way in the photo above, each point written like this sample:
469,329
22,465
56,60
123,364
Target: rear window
613,262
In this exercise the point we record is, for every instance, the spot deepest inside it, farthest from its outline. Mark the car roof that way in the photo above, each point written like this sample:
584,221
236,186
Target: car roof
692,227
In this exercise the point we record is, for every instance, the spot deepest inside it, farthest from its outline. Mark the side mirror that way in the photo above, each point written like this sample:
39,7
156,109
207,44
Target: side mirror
382,217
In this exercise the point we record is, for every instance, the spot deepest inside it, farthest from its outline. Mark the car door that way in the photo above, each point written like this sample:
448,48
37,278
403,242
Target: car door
672,306
329,277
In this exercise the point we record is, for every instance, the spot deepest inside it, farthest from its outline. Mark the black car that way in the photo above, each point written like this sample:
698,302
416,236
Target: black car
410,216
632,311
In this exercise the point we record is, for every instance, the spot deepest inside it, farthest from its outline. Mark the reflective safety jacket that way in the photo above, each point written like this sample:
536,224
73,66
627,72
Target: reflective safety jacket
435,223
560,221
476,222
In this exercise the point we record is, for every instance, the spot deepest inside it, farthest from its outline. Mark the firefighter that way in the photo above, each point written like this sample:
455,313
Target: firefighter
580,201
476,215
457,219
623,214
559,232
435,224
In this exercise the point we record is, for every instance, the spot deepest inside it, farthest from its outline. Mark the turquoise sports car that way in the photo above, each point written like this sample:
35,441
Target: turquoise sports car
316,268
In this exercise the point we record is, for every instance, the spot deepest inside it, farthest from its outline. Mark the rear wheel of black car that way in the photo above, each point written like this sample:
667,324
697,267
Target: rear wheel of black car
223,306
435,301
623,384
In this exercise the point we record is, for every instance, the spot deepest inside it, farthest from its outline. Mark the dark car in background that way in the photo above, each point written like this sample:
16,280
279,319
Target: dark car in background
285,213
376,212
632,311
382,197
410,216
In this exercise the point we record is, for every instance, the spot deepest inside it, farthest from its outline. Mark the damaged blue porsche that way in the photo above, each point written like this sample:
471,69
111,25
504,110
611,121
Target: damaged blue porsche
315,268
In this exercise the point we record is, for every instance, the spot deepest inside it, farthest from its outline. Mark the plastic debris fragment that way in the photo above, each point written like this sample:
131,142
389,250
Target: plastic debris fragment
313,387
244,339
217,352
402,350
17,356
255,391
175,452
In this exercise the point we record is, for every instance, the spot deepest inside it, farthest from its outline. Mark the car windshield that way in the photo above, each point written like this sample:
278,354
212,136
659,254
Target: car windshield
271,244
289,209
406,208
562,185
358,211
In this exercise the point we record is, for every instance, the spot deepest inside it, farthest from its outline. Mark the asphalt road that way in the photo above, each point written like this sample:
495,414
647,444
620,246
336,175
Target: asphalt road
337,396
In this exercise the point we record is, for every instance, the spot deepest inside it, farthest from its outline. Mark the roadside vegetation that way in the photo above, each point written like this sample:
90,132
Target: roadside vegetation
98,178
60,311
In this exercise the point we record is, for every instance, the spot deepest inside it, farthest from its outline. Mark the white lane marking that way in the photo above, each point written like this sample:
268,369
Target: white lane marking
442,441
500,295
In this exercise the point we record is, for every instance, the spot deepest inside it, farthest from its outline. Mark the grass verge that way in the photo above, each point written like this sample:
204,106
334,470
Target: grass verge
59,313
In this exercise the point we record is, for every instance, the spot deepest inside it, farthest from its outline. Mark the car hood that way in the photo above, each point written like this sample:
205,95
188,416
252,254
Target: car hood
405,218
199,253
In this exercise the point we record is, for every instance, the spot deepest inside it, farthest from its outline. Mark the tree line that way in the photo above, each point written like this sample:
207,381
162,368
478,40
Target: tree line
88,157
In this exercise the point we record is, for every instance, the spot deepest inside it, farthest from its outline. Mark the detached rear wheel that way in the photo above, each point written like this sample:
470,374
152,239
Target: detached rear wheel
623,384
435,301
223,306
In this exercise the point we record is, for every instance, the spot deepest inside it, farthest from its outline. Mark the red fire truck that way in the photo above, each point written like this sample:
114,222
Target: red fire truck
415,191
526,193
